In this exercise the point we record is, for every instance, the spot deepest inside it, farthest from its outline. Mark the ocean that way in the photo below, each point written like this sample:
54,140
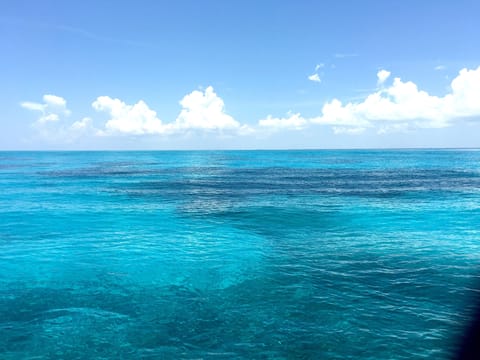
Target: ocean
348,254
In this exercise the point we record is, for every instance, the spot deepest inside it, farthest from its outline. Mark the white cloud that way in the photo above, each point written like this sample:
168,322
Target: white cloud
137,119
402,106
201,110
32,106
398,106
315,78
54,101
294,121
334,113
51,126
382,76
204,110
440,67
404,102
52,108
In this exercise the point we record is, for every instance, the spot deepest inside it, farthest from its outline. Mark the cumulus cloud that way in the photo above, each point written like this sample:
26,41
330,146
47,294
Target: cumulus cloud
204,110
201,110
315,78
294,121
396,105
52,125
404,102
401,106
137,119
382,76
334,113
51,110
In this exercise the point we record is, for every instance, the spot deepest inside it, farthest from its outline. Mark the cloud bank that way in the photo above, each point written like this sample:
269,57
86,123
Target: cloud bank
404,102
394,106
398,106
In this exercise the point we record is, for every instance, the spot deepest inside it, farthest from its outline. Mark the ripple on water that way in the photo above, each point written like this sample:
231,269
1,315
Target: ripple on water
301,254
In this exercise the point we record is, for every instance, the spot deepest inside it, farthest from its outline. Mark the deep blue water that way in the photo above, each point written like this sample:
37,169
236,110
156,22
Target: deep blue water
248,254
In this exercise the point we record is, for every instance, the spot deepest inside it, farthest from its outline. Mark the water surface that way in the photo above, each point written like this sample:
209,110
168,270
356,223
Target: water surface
248,254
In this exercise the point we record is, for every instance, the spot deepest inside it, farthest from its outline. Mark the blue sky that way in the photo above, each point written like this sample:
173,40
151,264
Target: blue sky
239,74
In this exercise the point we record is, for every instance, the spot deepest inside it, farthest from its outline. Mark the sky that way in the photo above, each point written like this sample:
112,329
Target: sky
128,75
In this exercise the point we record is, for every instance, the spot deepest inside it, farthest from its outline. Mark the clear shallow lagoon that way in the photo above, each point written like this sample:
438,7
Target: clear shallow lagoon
248,254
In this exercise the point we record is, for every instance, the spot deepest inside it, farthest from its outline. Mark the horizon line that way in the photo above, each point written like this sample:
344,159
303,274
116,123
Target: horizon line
249,149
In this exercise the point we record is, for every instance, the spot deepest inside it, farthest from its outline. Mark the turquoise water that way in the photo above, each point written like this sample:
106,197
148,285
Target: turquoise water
248,254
